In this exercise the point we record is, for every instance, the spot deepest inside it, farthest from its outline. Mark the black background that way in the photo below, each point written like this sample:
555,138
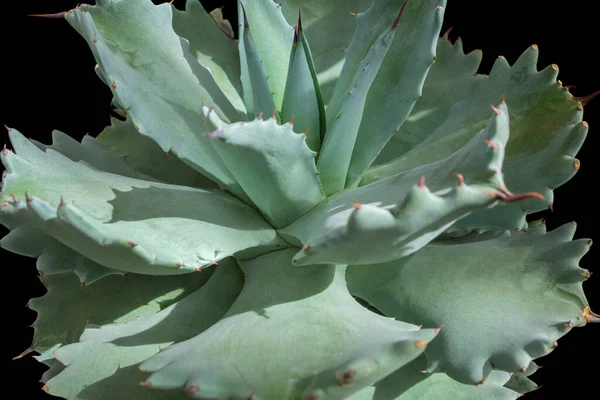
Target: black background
49,83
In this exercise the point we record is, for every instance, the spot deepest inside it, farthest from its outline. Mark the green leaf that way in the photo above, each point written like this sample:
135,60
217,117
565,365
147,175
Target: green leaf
67,307
278,174
124,223
399,83
273,38
410,383
212,47
520,382
257,82
155,78
329,26
546,127
396,216
340,138
103,364
302,101
502,301
287,336
144,155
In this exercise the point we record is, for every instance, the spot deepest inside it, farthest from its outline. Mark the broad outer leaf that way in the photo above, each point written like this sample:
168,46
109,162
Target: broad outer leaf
546,127
155,78
67,307
144,155
396,216
124,223
103,364
212,47
520,382
502,301
278,171
410,383
292,333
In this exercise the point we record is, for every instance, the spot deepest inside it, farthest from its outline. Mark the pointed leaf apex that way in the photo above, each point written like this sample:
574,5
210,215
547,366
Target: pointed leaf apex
397,20
146,384
503,99
497,111
589,316
24,353
421,183
55,16
246,25
298,30
447,33
461,180
586,99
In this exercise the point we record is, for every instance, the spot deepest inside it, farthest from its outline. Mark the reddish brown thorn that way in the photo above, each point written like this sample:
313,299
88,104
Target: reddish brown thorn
192,389
421,183
260,115
294,261
8,129
95,39
180,265
492,144
577,164
439,8
24,353
509,197
81,284
586,99
167,152
551,207
114,85
171,2
4,150
307,132
210,110
580,105
589,316
523,369
439,329
137,127
246,25
251,395
87,8
132,244
397,20
447,33
274,115
298,29
305,247
28,198
495,110
351,373
146,383
198,269
292,120
203,103
62,202
479,383
569,324
87,321
57,15
569,87
554,344
502,99
353,14
311,396
590,242
461,180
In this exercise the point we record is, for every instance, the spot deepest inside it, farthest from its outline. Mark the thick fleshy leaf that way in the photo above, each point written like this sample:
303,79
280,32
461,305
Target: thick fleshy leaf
67,307
404,70
124,223
103,365
502,301
255,80
340,138
520,382
546,127
212,47
302,101
144,155
410,383
278,174
160,84
292,333
329,26
394,217
273,38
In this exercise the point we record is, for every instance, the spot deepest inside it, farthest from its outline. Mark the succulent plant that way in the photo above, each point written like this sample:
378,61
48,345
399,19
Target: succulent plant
333,205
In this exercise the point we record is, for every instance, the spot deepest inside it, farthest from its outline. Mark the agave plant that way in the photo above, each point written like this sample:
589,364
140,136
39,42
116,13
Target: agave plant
334,205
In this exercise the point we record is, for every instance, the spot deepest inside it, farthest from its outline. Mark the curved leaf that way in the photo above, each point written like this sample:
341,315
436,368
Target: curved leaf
503,301
144,155
212,47
103,364
292,333
273,38
155,78
124,223
546,127
278,174
396,216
